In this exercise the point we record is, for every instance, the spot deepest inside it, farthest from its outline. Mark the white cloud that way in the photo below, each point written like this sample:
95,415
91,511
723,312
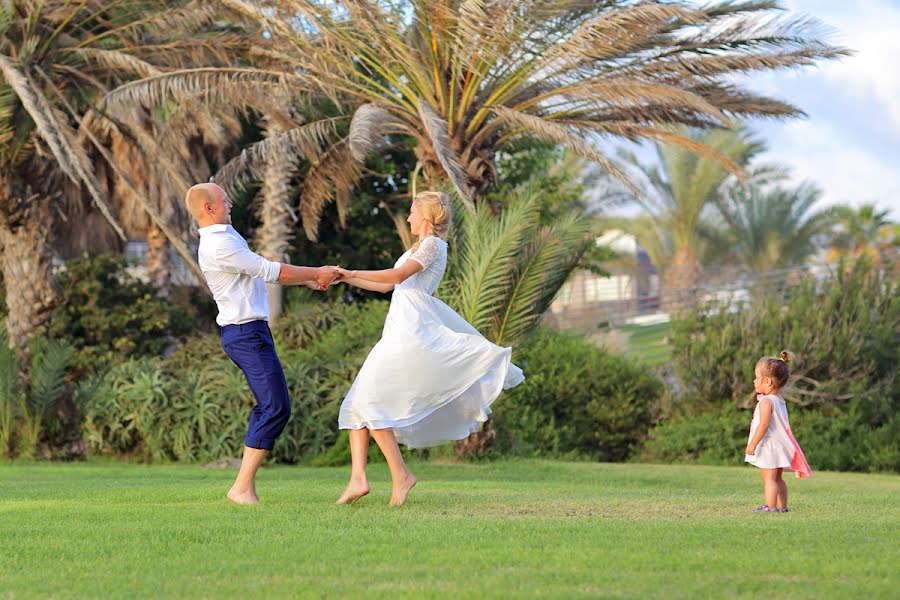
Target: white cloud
870,29
846,172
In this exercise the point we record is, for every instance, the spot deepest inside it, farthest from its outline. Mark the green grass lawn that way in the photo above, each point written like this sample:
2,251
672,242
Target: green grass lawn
648,342
532,529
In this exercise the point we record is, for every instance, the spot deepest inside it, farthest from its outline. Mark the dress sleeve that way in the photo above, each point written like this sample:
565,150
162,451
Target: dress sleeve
233,257
429,249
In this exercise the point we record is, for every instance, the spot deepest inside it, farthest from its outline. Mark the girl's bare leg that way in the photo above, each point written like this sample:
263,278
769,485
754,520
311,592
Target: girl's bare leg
781,501
359,453
402,478
770,486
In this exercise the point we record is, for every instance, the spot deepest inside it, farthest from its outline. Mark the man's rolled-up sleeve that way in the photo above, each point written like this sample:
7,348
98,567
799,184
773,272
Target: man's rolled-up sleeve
234,258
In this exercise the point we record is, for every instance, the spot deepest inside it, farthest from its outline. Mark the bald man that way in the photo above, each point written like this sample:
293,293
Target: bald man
237,278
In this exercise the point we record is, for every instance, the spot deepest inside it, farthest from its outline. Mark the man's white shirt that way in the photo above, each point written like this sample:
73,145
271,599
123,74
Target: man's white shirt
236,275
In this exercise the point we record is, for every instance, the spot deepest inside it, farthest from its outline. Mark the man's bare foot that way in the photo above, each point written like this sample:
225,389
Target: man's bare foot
399,493
246,497
354,491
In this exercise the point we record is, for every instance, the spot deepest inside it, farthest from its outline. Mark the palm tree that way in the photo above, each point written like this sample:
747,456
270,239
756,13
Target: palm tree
774,228
678,190
464,78
57,59
862,230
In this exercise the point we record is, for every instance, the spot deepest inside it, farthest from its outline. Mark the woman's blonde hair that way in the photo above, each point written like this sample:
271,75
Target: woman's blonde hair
776,367
435,208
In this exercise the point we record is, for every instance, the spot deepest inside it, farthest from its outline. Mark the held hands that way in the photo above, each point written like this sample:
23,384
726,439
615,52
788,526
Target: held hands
325,276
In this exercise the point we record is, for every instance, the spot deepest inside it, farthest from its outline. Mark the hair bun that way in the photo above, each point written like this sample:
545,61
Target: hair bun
786,356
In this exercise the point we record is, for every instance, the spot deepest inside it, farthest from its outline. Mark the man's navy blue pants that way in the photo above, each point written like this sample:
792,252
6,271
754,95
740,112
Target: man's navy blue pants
251,347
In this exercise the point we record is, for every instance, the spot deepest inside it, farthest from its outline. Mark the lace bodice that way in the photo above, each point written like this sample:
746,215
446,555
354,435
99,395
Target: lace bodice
432,255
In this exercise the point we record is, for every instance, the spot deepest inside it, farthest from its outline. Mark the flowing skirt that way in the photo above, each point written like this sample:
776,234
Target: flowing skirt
431,378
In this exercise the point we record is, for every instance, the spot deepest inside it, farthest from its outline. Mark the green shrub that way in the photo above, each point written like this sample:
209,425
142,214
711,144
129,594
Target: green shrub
109,316
845,331
31,402
844,390
716,437
577,401
195,404
831,439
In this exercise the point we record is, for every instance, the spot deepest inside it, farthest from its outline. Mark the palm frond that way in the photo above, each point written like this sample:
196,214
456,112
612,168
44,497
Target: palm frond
545,264
368,127
560,134
118,61
300,143
59,137
436,129
331,177
227,87
487,257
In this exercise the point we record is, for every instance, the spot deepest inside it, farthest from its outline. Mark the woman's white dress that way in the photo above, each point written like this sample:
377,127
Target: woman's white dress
432,377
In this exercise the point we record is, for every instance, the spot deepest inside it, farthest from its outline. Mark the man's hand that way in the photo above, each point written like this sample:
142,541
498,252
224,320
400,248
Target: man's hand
325,276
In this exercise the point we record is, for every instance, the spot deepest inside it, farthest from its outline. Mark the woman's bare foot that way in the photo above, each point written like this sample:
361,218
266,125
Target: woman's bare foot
400,491
243,497
355,490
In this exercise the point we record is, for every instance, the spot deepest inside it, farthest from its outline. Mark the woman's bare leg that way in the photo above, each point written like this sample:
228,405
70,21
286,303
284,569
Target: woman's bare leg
359,454
781,501
402,478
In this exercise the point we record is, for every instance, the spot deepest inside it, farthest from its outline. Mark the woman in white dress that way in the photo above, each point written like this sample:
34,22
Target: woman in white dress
432,377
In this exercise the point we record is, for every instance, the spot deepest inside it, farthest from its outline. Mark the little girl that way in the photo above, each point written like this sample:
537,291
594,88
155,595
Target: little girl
772,446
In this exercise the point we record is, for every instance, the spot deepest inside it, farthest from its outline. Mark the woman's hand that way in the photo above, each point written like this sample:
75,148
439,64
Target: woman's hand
343,274
750,450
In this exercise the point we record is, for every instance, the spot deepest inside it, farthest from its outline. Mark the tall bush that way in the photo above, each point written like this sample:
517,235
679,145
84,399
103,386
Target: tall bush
577,401
110,316
844,390
845,331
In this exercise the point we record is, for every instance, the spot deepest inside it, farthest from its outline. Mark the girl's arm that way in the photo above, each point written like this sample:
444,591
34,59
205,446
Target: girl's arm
765,417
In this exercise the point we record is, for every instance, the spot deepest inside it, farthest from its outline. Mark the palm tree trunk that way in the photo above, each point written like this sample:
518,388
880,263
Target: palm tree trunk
159,264
680,280
31,292
274,232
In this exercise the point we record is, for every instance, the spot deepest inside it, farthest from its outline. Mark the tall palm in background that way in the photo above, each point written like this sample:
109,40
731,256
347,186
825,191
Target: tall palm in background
464,78
862,230
57,59
774,228
678,189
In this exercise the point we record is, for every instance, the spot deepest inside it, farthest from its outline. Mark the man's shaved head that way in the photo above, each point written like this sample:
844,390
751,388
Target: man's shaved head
199,195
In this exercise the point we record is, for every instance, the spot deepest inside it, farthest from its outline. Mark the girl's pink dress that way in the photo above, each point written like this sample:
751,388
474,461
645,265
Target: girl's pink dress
778,449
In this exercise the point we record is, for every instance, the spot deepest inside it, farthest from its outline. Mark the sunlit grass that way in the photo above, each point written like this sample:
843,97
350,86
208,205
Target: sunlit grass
503,529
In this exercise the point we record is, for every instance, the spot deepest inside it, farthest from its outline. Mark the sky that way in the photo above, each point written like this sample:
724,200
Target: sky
849,142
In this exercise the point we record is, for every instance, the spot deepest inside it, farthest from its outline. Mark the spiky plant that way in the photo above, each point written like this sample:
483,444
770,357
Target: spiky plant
465,77
775,228
505,270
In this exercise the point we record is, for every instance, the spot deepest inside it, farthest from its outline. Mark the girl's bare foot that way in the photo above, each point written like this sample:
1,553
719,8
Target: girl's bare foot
245,497
400,491
354,491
